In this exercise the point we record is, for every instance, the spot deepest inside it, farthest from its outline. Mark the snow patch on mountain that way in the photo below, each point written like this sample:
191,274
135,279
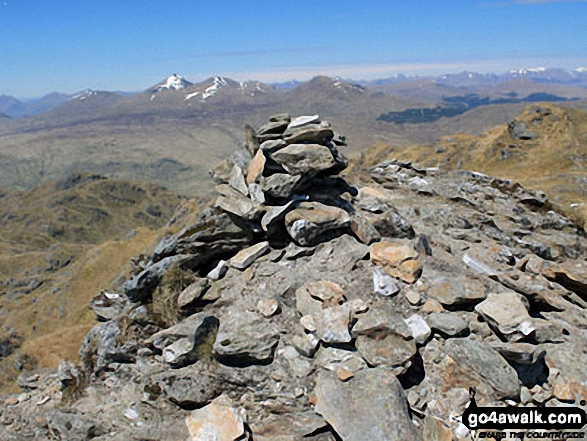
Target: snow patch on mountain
173,82
83,95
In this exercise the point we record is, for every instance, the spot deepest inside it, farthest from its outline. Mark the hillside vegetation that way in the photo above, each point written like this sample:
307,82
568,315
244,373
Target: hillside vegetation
60,244
544,148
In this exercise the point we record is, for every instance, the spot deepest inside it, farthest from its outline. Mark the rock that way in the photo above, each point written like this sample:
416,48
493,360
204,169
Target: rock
329,293
383,338
398,260
308,322
468,363
369,406
447,324
478,266
305,344
140,287
272,127
246,257
384,284
267,307
237,180
302,159
275,214
520,353
255,169
507,313
363,229
456,291
413,297
215,235
301,121
419,328
280,185
256,194
309,133
232,201
219,271
280,117
218,421
272,145
179,343
332,324
245,338
252,142
311,222
193,293
568,279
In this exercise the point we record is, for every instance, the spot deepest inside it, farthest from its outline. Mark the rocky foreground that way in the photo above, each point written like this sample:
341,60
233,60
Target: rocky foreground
304,307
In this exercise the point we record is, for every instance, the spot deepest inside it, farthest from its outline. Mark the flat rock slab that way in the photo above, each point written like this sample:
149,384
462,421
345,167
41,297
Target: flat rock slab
244,258
369,406
311,220
300,159
218,421
506,312
470,363
447,324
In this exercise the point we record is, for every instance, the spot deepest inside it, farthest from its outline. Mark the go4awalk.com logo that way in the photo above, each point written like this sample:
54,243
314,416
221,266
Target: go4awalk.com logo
548,422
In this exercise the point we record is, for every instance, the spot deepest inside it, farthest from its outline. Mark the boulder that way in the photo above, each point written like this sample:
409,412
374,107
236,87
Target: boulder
310,222
189,296
255,169
245,338
447,324
369,406
234,202
303,159
280,185
309,133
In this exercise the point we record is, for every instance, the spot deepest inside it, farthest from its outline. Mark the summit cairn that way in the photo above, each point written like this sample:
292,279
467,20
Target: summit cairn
289,183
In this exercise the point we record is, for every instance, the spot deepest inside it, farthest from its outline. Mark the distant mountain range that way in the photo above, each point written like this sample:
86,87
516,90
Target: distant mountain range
413,86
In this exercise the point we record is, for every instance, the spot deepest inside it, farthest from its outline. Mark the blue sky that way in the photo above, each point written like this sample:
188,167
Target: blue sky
69,45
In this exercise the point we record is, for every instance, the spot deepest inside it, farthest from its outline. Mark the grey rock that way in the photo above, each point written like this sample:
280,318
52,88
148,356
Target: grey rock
219,271
272,145
309,133
507,312
280,117
485,365
215,235
301,159
272,127
419,328
308,223
244,258
275,214
245,338
447,324
179,343
333,324
301,121
280,185
193,293
237,180
384,284
256,193
370,406
234,202
140,287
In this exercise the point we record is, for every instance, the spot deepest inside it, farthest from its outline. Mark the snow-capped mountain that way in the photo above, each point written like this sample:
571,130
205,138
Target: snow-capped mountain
214,85
173,82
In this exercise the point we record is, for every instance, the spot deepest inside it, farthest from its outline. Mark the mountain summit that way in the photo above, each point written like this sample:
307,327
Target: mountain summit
173,82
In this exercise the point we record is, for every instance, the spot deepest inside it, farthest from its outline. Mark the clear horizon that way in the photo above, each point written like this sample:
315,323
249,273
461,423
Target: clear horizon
66,46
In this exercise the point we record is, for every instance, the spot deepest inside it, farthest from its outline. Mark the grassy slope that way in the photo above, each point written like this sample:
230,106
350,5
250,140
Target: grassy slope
62,243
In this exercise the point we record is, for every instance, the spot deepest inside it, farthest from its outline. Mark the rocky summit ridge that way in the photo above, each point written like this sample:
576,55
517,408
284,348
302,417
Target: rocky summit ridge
305,306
